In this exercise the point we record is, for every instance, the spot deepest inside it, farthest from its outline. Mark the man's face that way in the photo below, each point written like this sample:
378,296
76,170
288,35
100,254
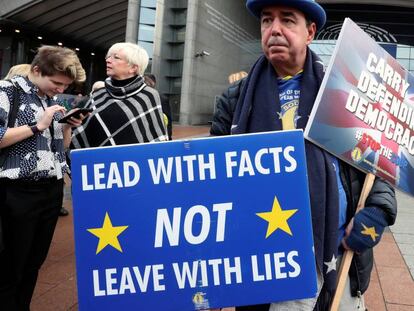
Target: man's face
285,35
118,68
51,85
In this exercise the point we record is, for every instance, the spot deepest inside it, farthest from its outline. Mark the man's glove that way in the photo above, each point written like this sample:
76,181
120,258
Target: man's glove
368,226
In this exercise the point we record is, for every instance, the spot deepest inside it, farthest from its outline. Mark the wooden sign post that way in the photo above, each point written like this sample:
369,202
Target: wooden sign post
348,254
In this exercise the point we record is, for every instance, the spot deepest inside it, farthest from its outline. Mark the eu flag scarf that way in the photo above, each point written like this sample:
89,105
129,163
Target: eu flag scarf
257,110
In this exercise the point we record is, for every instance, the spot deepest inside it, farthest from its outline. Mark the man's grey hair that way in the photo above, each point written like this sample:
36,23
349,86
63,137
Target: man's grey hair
134,54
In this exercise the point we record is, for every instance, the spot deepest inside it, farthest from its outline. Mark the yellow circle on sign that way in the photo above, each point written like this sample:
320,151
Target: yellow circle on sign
356,154
198,298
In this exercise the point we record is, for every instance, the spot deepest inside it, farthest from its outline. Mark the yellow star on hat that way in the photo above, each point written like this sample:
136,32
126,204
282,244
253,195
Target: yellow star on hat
108,234
277,218
369,231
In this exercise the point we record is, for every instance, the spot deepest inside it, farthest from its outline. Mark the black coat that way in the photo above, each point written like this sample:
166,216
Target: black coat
382,194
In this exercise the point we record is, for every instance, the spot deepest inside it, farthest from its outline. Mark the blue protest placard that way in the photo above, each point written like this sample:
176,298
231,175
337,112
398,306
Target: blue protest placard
190,225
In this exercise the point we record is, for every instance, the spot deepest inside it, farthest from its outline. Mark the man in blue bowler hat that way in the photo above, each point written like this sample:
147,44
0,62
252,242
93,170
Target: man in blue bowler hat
278,94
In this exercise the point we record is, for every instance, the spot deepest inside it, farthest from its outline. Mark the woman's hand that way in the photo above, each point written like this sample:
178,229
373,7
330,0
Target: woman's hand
72,122
47,117
76,121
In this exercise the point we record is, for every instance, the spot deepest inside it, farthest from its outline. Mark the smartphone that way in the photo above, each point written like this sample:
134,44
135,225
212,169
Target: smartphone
75,114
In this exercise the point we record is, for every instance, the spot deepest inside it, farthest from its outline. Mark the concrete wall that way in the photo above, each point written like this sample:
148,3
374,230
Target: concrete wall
160,28
168,54
229,34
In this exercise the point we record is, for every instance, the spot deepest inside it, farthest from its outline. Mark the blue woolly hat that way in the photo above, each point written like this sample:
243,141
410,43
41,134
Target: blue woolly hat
310,8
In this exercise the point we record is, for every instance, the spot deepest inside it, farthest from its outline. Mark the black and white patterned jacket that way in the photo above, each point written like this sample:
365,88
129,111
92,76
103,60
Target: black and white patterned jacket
122,115
31,158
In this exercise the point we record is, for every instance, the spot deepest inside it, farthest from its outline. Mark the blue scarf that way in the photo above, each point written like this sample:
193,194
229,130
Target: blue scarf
256,111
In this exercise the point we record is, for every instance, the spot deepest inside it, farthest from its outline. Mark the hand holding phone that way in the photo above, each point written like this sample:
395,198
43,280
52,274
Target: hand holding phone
76,114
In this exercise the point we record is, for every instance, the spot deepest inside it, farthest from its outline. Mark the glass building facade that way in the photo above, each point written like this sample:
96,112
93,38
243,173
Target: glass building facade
146,27
404,53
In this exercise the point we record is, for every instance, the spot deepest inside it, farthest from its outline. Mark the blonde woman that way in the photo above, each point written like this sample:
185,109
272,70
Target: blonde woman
18,70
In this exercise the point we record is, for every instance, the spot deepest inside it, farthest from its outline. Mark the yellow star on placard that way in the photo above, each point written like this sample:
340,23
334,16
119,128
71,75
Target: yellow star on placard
277,218
369,231
108,234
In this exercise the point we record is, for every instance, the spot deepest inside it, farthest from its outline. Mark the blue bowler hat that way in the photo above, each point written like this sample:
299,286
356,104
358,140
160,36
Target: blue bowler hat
310,8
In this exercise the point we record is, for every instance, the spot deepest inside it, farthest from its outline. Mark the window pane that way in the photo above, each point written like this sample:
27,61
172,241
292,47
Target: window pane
146,33
147,16
149,3
323,48
403,52
404,62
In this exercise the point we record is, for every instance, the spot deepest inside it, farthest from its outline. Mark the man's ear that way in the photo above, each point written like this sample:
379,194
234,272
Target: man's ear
311,32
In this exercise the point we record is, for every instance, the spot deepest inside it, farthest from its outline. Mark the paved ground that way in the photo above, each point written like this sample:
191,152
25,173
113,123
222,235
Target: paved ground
391,289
